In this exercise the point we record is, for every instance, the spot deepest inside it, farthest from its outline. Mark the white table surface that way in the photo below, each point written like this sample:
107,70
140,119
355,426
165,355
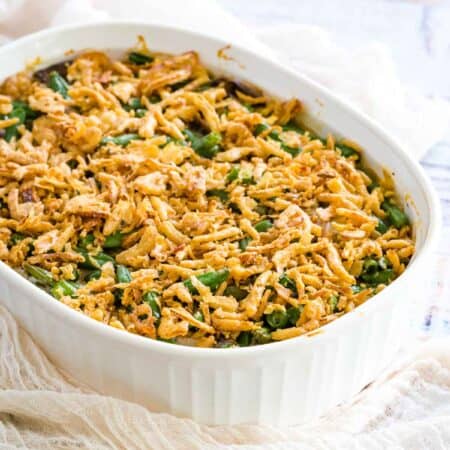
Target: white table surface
418,34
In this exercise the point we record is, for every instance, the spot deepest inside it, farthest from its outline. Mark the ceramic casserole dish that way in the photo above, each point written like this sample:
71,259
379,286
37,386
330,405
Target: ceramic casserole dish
280,383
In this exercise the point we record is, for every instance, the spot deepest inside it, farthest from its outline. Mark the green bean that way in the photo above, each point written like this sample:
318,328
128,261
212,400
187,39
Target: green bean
379,277
243,243
211,279
370,265
168,341
41,275
261,336
94,275
180,84
244,339
293,151
292,126
384,263
356,288
233,174
205,86
103,258
89,261
247,178
114,240
293,314
118,294
376,272
123,274
135,105
220,193
260,128
63,288
75,275
396,216
205,146
151,299
94,261
333,301
170,139
122,140
287,282
139,58
86,240
21,111
275,136
16,238
346,151
19,104
141,112
208,146
373,185
236,292
12,131
198,315
263,226
58,84
277,319
382,226
30,113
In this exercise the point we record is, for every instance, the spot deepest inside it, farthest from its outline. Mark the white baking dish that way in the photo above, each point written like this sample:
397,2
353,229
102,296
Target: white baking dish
279,383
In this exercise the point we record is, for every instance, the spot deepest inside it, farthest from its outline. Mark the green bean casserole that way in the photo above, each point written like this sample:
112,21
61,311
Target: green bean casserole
156,198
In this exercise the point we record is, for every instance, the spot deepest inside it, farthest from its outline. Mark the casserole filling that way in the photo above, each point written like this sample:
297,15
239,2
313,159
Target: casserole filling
156,198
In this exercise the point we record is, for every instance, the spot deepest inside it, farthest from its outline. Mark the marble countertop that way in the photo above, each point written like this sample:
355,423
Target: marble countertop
419,39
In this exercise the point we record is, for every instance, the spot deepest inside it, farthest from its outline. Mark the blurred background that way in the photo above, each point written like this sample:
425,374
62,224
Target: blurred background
417,32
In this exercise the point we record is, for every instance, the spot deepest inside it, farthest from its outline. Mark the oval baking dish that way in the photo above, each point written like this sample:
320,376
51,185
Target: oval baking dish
280,383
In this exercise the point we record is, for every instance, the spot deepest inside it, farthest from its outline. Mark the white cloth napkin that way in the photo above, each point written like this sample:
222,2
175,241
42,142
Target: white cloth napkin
407,408
40,408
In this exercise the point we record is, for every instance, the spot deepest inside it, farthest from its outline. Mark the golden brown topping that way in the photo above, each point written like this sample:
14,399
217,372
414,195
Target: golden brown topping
155,198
